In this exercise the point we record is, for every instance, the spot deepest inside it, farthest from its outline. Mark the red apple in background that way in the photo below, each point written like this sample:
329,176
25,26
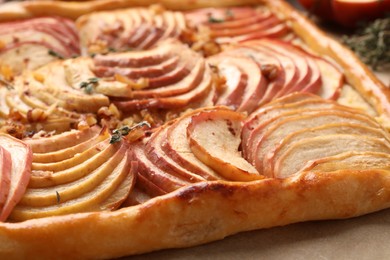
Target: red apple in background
347,13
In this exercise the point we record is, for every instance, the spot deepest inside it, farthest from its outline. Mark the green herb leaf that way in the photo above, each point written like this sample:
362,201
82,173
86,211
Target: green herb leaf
117,134
58,197
212,19
89,84
55,54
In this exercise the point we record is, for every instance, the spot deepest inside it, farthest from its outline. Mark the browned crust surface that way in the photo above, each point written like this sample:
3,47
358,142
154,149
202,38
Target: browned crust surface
206,211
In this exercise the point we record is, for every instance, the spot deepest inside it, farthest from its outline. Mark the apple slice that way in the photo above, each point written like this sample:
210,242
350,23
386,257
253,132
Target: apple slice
254,118
285,140
178,148
5,175
69,152
268,133
350,161
71,162
61,141
157,156
237,24
136,73
244,80
44,38
271,114
295,158
163,180
21,157
139,28
171,102
214,138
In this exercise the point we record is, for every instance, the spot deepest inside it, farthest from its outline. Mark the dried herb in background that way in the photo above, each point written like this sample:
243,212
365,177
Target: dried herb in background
372,43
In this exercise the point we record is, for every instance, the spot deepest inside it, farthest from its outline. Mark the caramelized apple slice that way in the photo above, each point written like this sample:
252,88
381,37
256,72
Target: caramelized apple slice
61,141
21,157
295,158
237,24
165,181
214,138
177,147
270,133
350,161
71,151
284,140
157,155
137,28
245,84
273,114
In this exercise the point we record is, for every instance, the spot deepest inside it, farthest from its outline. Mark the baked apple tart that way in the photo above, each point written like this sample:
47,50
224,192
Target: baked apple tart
191,120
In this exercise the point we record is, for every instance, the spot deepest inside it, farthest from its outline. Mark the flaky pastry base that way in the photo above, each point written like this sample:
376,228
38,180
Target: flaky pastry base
206,211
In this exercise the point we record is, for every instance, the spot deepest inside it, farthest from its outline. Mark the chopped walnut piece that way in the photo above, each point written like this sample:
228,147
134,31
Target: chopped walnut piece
36,115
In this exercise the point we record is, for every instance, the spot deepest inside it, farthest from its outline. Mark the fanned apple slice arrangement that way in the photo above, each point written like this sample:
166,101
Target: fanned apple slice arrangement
76,171
139,28
295,134
238,24
143,28
48,38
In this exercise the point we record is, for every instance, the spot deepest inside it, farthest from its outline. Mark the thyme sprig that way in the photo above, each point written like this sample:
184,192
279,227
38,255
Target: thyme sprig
372,43
55,54
89,85
117,134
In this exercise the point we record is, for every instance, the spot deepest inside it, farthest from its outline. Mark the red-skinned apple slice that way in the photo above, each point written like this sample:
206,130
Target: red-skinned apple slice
137,73
178,148
69,152
295,158
21,157
268,114
350,161
5,175
61,141
327,129
245,94
164,180
74,161
261,135
179,101
238,23
214,138
156,154
257,117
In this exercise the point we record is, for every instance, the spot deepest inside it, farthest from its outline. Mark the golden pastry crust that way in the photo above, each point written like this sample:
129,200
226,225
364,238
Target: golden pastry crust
236,207
188,220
